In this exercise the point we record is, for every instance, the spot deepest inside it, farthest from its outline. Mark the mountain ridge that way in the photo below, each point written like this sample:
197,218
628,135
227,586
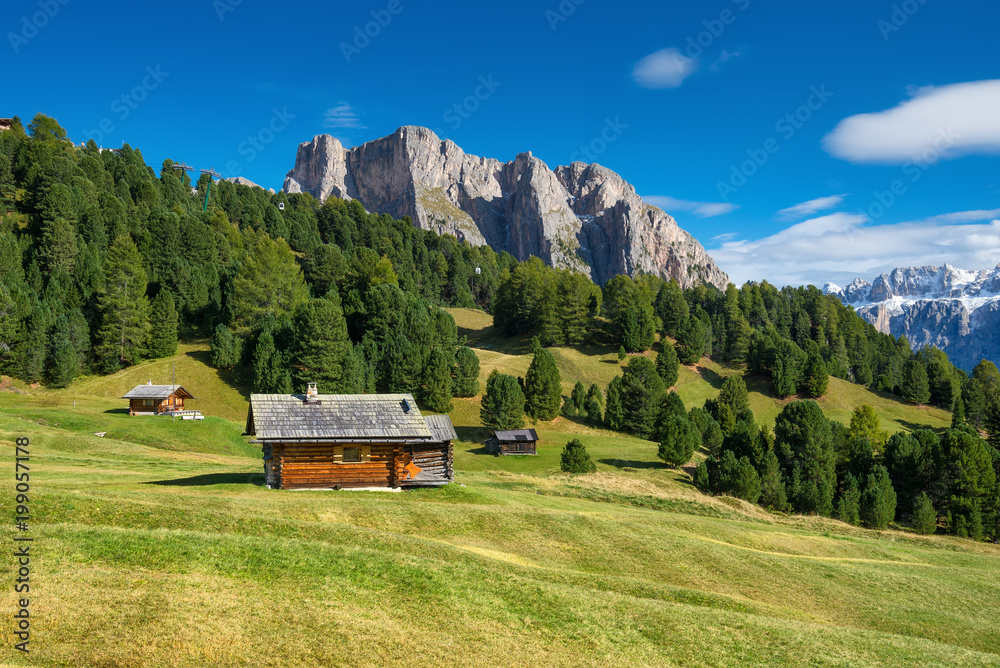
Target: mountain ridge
582,217
953,309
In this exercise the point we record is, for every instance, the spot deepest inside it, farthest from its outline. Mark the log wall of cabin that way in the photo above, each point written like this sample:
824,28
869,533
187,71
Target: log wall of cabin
436,461
518,448
311,465
136,406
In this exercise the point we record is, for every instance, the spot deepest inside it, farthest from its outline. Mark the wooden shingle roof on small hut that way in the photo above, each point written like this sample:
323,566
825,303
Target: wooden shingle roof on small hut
149,391
514,435
349,418
441,428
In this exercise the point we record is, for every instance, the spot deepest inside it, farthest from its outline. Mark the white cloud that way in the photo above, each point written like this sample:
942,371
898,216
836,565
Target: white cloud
664,69
725,57
703,209
811,207
939,121
841,246
343,116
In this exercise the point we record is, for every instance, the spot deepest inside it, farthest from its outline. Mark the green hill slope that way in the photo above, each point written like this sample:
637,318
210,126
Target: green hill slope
157,554
164,529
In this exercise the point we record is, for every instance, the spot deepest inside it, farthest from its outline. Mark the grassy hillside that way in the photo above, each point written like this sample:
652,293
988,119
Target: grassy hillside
162,548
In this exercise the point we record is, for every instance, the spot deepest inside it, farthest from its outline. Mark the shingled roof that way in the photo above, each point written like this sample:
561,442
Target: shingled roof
336,417
517,435
441,428
148,391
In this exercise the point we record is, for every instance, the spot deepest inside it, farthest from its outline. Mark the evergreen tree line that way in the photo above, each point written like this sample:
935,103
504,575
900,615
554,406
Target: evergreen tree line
796,337
107,263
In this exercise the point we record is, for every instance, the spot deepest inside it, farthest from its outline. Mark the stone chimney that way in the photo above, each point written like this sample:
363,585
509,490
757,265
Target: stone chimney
312,394
149,382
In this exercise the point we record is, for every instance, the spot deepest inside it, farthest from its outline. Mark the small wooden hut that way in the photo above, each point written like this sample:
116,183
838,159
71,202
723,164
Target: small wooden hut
514,442
152,399
338,441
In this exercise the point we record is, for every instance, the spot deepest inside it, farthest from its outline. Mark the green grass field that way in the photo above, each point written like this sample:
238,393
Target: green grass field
157,545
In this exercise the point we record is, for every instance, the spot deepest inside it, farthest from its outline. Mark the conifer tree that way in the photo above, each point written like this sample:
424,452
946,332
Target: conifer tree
354,372
466,372
924,515
321,344
804,444
437,382
576,459
679,438
622,353
614,411
503,405
642,393
692,341
123,306
542,386
269,373
816,379
401,366
579,398
865,425
63,366
163,326
734,394
782,379
849,505
772,485
878,500
667,364
958,412
226,348
915,386
674,405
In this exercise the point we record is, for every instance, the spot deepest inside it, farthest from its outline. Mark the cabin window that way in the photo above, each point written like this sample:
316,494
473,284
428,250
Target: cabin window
147,402
352,455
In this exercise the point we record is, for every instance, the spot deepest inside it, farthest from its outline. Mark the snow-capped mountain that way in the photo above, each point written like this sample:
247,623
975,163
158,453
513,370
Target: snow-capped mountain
953,309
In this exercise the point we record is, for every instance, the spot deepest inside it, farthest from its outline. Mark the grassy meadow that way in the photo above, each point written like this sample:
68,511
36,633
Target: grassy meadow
157,545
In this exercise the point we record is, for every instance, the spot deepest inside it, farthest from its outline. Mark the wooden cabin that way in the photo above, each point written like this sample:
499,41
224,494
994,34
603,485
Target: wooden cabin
338,441
515,442
152,399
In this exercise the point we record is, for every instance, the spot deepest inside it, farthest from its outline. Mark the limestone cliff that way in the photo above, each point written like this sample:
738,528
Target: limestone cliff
584,217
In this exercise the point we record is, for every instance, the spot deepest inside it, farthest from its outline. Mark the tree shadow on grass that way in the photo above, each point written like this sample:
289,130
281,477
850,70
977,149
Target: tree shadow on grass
710,377
914,426
228,376
632,464
255,479
473,434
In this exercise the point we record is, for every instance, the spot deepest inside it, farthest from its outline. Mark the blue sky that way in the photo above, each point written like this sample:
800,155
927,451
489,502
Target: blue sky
889,157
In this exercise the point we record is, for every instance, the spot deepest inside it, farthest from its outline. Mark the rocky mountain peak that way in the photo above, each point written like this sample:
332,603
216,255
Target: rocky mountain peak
953,309
583,217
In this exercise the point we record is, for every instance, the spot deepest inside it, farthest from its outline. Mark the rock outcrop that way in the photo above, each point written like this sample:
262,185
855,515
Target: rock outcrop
584,217
955,310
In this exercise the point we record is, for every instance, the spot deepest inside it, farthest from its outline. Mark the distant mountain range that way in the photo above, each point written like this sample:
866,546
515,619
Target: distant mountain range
583,217
955,310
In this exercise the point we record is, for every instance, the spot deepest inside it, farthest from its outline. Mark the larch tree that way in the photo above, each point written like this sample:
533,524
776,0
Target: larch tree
268,282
